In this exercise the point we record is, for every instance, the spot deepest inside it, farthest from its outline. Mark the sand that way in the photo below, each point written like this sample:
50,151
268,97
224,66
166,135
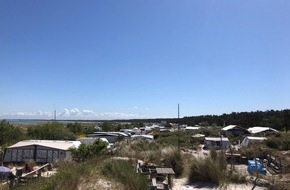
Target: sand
181,184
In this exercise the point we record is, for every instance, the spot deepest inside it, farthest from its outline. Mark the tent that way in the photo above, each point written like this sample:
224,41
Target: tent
255,130
41,151
248,140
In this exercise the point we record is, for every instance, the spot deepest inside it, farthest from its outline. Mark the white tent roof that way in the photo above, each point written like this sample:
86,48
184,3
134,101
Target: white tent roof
111,133
260,129
191,128
247,140
229,127
149,137
62,145
216,139
198,135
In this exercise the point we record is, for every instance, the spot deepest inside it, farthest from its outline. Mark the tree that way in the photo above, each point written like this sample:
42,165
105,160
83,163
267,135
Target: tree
75,128
50,131
10,134
138,124
106,126
286,119
167,125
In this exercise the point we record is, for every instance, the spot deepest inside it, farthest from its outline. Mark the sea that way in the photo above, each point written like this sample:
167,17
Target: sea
27,121
37,121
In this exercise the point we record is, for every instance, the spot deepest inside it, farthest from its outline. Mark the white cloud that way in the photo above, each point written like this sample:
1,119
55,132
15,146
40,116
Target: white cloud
73,113
88,113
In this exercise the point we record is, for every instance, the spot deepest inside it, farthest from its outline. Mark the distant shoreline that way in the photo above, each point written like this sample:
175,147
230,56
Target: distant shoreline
39,121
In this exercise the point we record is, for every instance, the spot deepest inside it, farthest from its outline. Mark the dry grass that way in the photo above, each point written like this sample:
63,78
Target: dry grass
96,173
151,152
123,172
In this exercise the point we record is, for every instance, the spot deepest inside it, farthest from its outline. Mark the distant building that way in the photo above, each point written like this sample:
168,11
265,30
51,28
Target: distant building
112,137
234,130
216,142
189,128
41,151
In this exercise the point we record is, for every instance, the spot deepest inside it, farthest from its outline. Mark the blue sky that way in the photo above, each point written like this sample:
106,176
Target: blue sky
138,59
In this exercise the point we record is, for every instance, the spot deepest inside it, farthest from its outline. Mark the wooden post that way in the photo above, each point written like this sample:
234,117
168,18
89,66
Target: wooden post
232,159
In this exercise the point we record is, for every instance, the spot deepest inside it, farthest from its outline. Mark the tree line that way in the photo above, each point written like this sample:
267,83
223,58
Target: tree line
277,119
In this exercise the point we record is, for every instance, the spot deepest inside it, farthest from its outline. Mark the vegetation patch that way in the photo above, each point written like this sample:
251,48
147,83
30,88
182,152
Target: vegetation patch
67,177
85,152
125,173
213,169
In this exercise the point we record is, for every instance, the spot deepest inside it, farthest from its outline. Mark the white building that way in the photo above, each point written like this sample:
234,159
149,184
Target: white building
216,142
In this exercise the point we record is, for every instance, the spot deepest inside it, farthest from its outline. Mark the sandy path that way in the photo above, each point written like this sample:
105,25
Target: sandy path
181,184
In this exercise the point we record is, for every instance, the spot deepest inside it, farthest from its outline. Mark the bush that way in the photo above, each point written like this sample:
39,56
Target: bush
172,158
67,177
124,172
10,134
88,151
143,150
50,131
279,141
236,177
208,169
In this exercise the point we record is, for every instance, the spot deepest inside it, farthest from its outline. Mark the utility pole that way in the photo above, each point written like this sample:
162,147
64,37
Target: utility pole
178,140
54,113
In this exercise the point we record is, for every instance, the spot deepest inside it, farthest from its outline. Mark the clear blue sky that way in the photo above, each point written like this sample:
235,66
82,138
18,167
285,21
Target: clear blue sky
109,59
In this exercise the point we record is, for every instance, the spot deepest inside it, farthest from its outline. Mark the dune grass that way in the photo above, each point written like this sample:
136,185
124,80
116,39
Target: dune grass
125,173
71,176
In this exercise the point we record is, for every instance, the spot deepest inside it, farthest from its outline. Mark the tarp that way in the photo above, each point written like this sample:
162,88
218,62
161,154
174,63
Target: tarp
252,167
4,172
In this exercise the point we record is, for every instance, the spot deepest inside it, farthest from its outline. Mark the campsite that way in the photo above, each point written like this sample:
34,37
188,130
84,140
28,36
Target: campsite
183,157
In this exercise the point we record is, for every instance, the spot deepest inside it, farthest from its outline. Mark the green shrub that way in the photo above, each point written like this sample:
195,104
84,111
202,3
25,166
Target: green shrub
50,131
279,186
10,134
213,154
124,172
67,177
208,169
172,158
279,141
85,152
235,177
